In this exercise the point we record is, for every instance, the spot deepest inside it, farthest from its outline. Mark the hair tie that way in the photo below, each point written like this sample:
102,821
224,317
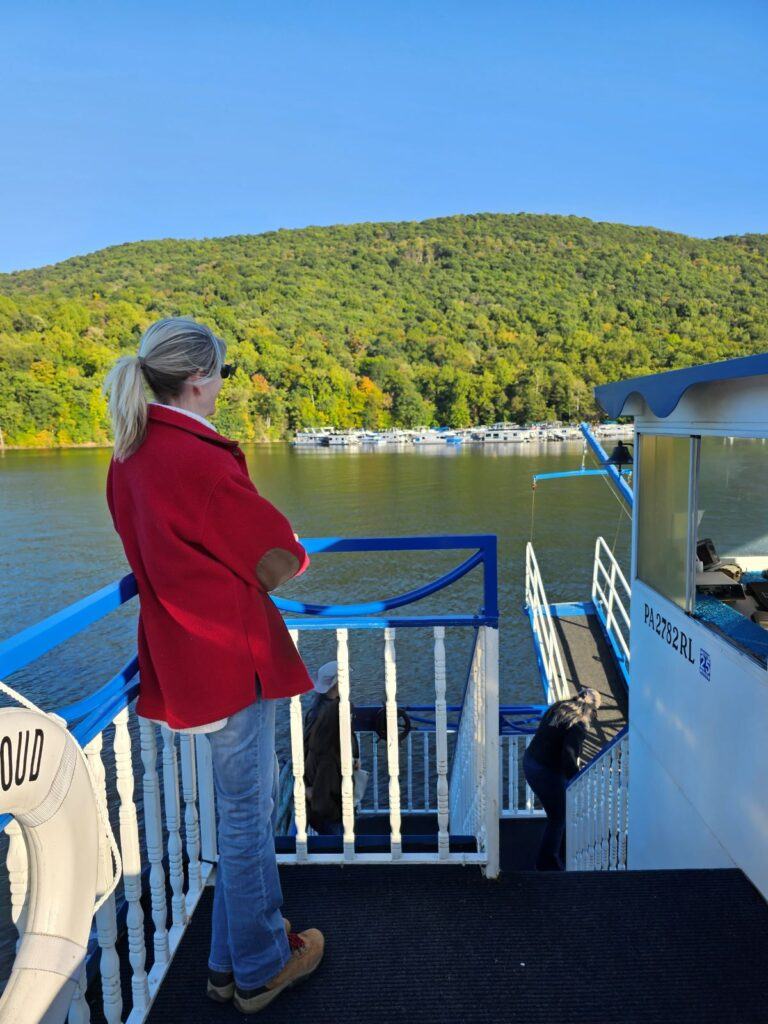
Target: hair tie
140,360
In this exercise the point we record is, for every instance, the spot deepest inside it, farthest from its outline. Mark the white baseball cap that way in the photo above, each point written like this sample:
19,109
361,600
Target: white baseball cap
326,676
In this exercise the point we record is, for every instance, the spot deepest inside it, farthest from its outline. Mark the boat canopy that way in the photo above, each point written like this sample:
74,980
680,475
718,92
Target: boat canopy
661,392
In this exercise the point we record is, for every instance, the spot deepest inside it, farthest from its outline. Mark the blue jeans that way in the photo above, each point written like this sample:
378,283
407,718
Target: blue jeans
248,935
549,787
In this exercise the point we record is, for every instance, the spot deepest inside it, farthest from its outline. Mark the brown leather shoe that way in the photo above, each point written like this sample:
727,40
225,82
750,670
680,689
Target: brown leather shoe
306,953
221,984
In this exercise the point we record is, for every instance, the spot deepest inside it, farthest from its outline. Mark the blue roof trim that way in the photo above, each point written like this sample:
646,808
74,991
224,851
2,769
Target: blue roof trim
662,391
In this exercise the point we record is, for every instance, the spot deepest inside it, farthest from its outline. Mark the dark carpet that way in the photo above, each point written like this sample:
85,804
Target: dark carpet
434,945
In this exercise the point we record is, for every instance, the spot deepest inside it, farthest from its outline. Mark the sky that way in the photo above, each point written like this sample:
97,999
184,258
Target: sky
138,120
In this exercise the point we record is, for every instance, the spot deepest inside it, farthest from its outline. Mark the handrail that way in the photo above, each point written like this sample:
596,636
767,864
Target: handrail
371,607
607,603
485,543
548,652
603,750
24,647
597,810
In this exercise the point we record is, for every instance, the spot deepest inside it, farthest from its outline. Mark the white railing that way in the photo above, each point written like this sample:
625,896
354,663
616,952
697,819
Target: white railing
611,595
167,837
474,784
420,778
597,811
418,771
517,799
545,635
416,780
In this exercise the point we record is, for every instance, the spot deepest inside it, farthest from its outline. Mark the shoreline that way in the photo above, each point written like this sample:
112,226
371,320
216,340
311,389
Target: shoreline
88,445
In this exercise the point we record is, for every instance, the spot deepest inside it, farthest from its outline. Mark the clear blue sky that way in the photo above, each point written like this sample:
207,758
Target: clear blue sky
135,120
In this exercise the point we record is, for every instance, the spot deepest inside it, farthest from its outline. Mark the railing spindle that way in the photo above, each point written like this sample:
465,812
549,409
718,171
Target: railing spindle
191,818
375,764
345,741
153,827
441,744
425,745
624,811
409,743
528,790
106,919
173,825
516,771
131,855
393,753
297,761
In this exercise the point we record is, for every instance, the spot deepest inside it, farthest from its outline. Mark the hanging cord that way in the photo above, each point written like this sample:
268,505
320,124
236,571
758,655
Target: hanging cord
616,535
100,805
604,478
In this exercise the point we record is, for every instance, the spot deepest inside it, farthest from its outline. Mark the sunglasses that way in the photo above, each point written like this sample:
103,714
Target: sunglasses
228,370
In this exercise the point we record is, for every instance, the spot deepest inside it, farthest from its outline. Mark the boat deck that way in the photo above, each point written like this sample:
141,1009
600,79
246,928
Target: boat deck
588,661
438,944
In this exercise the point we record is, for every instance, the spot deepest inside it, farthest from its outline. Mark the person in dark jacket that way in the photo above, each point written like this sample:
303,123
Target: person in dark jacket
552,758
322,755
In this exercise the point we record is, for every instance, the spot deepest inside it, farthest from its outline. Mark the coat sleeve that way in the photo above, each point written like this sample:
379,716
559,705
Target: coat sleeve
572,742
240,527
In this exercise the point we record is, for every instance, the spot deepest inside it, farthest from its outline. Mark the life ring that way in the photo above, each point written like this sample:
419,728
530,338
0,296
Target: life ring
46,786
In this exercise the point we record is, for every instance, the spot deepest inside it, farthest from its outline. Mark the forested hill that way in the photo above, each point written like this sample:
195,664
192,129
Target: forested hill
454,321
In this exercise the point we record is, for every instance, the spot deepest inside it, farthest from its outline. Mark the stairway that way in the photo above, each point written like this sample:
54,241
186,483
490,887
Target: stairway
438,945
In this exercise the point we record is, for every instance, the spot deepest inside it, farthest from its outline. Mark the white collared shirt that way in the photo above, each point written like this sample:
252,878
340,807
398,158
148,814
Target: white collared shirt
187,412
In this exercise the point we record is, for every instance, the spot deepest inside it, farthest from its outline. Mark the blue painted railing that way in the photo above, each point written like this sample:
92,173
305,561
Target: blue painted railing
88,717
613,474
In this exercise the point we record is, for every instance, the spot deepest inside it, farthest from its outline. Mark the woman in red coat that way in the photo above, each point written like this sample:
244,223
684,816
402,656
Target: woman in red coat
214,652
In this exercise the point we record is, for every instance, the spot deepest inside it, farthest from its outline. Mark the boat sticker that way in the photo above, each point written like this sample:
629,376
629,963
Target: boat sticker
705,664
671,634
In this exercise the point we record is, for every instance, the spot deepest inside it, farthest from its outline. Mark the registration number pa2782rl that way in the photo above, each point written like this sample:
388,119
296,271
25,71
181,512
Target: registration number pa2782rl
671,634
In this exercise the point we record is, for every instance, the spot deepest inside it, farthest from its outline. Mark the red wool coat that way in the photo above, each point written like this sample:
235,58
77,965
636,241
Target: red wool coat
194,529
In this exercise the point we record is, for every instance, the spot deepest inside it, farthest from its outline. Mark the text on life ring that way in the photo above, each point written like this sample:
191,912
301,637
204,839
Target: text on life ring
23,765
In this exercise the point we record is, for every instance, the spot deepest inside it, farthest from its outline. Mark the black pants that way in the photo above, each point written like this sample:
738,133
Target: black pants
549,787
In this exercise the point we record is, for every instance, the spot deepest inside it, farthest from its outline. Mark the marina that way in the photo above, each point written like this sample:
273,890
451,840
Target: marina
496,433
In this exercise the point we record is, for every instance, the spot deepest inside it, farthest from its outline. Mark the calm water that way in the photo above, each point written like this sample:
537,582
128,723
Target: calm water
57,544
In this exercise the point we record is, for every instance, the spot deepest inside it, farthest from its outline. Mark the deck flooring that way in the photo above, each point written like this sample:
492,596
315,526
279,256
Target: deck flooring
443,944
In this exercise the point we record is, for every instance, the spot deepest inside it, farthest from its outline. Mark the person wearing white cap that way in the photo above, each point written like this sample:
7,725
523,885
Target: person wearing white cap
322,754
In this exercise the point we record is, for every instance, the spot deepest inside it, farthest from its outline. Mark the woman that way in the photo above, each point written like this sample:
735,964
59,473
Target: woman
551,759
214,652
322,754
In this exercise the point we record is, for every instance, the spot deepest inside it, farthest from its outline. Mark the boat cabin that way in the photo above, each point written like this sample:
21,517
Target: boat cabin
698,713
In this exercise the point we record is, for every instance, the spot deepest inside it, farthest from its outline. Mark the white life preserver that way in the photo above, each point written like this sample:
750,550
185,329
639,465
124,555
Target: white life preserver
45,784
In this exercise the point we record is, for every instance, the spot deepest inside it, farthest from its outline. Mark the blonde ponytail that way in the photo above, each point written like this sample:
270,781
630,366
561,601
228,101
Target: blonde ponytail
170,352
127,405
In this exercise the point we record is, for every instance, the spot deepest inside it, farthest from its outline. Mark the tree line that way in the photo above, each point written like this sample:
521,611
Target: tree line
454,321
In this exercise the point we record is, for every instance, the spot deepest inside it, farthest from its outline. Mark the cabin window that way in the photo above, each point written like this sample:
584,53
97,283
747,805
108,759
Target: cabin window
664,473
732,542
